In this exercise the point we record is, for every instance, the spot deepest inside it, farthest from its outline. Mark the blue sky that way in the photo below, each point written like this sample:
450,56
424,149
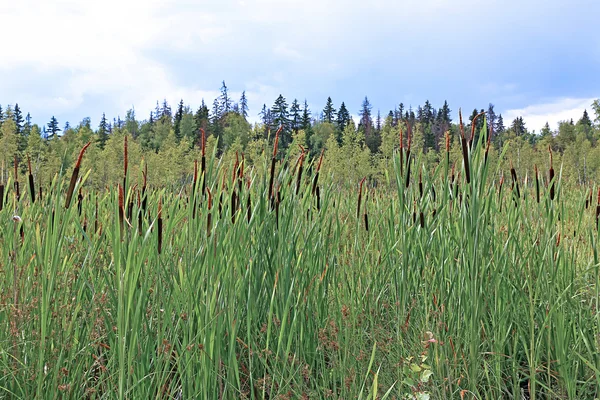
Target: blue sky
74,59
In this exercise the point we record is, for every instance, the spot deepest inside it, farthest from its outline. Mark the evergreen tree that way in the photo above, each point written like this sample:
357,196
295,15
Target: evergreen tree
67,126
103,131
500,128
131,125
28,125
177,122
366,122
244,105
518,127
428,111
329,111
202,116
343,118
216,113
491,117
225,100
546,132
306,125
378,122
281,117
295,116
1,115
18,118
165,112
53,127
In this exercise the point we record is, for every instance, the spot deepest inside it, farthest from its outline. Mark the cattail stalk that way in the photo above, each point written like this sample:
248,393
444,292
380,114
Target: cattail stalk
537,184
409,129
316,179
300,167
420,183
144,184
598,208
121,210
473,124
249,202
401,149
515,180
17,192
273,161
360,187
79,202
31,183
209,215
75,175
160,226
447,135
203,161
465,149
365,214
194,184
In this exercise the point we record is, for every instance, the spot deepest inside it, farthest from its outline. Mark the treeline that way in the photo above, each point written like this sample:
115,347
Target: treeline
168,140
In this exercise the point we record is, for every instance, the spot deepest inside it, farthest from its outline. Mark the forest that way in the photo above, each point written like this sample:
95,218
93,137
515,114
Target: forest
169,138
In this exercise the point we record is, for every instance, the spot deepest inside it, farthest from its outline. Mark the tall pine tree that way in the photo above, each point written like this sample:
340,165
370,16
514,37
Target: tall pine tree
329,111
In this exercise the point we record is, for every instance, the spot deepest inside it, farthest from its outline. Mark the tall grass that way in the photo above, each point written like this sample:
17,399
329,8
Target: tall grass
448,291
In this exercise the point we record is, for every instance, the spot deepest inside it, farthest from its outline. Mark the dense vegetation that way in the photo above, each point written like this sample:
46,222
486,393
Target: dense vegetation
453,272
169,141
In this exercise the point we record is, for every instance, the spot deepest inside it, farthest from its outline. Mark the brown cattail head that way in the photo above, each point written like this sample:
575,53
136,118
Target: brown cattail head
465,149
515,180
31,183
195,180
462,127
203,141
537,183
75,175
360,189
209,215
420,183
121,209
160,223
401,136
447,135
300,164
409,129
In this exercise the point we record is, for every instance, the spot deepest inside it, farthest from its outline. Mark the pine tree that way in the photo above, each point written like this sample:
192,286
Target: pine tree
329,111
18,118
295,116
103,131
343,118
202,116
546,131
378,122
306,124
366,122
491,117
427,117
28,125
281,117
53,127
225,100
500,128
131,125
165,112
177,122
244,105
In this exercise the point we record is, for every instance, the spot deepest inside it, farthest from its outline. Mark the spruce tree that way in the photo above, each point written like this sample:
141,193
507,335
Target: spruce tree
18,118
295,116
177,122
329,111
281,117
244,105
225,100
103,131
53,128
343,118
28,125
366,122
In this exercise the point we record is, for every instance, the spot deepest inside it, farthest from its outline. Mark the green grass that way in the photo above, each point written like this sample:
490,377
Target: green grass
465,293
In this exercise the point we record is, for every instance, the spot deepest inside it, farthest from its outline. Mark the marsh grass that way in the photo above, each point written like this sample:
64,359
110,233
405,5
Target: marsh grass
446,293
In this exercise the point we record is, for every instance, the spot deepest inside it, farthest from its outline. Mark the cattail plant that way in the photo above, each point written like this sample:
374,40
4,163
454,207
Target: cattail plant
408,163
489,143
420,182
447,137
248,201
401,149
203,160
300,165
316,178
465,148
121,210
365,214
79,202
17,192
273,162
209,214
144,184
537,183
160,226
31,183
139,214
551,175
360,189
473,125
2,187
515,182
194,185
277,204
75,175
598,208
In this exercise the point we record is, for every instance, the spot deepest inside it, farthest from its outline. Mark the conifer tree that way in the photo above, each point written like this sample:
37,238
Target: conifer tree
224,100
329,111
103,131
296,118
177,122
53,128
244,105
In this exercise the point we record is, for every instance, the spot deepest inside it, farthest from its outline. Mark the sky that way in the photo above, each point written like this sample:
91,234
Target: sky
75,59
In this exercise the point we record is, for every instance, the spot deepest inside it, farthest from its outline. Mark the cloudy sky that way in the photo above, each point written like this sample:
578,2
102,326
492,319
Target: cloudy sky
75,58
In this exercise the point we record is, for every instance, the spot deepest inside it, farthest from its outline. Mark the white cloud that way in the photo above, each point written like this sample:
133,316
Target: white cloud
553,112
